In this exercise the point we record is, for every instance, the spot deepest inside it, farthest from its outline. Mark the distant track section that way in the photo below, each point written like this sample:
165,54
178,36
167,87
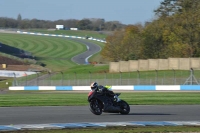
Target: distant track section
83,57
91,50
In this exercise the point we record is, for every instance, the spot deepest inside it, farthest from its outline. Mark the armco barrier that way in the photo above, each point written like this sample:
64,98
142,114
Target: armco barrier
120,88
55,35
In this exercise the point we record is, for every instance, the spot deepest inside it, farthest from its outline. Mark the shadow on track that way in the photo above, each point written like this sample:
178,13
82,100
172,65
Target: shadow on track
144,114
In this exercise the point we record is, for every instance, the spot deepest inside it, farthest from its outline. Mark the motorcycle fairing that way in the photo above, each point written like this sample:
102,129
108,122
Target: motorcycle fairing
105,101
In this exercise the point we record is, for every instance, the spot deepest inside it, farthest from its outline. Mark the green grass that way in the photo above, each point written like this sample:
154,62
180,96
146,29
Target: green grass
52,98
128,129
5,82
85,69
125,129
55,52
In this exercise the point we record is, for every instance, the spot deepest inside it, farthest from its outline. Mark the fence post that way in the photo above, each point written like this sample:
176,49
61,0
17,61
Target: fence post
75,78
90,77
174,77
37,79
120,78
26,78
105,77
14,79
62,78
156,77
138,77
50,77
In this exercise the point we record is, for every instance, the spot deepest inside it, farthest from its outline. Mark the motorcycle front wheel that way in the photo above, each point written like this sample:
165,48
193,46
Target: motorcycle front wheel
125,108
95,108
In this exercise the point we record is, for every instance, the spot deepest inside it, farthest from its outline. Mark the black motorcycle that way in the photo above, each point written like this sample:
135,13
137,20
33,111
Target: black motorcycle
102,102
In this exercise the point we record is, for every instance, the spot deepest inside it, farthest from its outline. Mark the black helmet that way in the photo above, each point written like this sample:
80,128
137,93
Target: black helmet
94,85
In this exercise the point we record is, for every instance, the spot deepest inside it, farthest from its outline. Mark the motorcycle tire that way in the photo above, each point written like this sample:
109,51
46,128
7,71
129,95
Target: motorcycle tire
125,108
95,108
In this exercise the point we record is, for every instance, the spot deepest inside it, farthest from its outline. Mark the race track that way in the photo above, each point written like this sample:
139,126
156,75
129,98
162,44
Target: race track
74,114
91,49
82,58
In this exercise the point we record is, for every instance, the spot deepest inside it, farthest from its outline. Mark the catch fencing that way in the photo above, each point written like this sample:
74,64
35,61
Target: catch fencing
173,77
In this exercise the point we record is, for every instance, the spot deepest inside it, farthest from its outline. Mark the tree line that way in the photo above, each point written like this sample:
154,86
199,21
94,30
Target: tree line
175,33
94,24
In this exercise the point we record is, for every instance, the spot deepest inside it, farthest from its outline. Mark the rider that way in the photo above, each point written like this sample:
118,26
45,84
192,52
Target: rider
102,89
105,90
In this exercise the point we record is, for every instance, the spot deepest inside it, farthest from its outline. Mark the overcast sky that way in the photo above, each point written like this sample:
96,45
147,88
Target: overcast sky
124,11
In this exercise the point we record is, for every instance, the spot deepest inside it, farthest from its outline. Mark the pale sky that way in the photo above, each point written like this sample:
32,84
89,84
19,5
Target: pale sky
124,11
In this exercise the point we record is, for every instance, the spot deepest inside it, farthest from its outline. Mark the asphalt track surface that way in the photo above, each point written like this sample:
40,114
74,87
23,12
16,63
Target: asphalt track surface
91,49
74,114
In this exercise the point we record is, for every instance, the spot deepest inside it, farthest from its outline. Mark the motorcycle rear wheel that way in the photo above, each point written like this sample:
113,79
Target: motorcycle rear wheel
95,108
125,108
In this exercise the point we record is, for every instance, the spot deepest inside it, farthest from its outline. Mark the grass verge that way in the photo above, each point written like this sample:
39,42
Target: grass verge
126,129
53,52
65,98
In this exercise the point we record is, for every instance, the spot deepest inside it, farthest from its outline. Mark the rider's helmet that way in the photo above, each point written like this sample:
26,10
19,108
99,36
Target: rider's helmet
94,85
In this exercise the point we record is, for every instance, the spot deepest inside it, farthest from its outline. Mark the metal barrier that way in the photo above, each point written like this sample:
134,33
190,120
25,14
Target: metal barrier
132,78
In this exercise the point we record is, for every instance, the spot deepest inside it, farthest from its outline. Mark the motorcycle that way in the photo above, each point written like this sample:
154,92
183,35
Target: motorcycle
101,102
